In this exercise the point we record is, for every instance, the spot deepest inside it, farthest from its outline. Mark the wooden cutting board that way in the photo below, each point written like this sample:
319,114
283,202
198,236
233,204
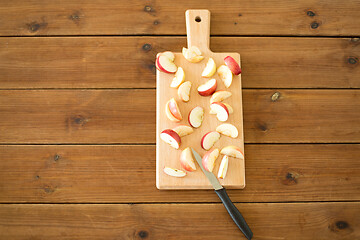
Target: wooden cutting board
198,34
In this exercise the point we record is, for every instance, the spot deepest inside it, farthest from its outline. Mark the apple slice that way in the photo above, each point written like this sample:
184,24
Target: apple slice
169,114
209,139
183,130
232,151
184,91
171,137
174,172
232,65
219,96
193,54
209,69
179,78
223,167
174,109
187,160
165,64
225,75
196,117
222,113
230,109
207,88
169,54
208,160
228,129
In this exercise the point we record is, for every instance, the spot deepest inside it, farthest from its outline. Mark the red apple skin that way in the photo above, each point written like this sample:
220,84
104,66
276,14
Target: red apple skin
159,65
223,105
174,110
232,65
173,134
209,91
205,160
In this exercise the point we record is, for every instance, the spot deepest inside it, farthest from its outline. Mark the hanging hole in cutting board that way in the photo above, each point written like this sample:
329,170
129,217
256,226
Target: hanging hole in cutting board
198,19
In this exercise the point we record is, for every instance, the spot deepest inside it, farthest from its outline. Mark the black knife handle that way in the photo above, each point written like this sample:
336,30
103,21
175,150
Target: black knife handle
234,213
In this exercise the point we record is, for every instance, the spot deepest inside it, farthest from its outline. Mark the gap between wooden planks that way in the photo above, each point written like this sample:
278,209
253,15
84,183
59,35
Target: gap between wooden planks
128,116
122,174
128,62
179,221
112,17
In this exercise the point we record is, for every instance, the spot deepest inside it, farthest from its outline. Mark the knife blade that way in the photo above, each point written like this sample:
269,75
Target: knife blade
224,197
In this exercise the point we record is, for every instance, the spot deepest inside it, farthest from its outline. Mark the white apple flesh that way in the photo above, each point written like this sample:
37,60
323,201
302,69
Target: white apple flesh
209,69
187,160
219,96
184,91
193,54
208,160
169,54
225,75
174,172
232,65
178,79
183,130
207,88
232,151
165,64
209,139
228,129
196,117
223,167
221,111
171,137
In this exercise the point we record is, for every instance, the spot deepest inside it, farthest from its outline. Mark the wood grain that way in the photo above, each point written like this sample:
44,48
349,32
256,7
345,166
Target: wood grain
111,17
124,174
321,221
167,156
128,62
128,116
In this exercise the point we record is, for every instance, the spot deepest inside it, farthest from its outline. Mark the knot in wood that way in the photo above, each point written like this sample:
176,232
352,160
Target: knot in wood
143,234
341,224
146,47
314,25
310,13
353,60
275,96
34,26
147,8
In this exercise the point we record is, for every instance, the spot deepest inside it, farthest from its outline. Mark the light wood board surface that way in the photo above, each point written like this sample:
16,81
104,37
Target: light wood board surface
166,156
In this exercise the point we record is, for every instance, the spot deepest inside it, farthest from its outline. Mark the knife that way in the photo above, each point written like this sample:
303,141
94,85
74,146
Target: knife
221,192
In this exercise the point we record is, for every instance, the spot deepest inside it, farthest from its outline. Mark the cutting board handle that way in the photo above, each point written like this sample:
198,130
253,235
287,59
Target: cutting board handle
198,29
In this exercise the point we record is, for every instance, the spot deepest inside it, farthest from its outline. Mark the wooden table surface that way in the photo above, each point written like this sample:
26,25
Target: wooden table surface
77,120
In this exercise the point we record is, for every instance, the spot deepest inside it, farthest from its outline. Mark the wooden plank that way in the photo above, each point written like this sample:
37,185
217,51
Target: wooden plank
111,17
122,174
128,62
179,221
198,35
128,116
